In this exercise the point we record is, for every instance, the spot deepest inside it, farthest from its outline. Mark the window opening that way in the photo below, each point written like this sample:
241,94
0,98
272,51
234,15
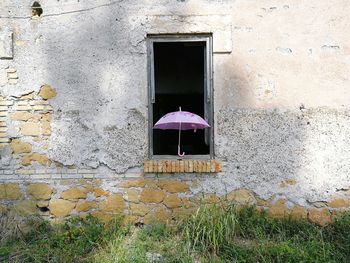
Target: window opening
179,79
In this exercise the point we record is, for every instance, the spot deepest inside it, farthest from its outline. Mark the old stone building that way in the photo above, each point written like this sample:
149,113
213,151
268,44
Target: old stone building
83,82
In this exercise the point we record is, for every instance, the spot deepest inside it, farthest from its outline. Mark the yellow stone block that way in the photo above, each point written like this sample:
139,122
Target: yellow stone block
298,212
172,201
133,196
46,117
152,196
46,128
22,103
22,108
10,191
47,92
133,183
140,209
41,102
18,146
74,193
339,202
35,157
85,206
241,197
21,116
39,107
30,129
25,208
158,215
173,186
39,191
320,216
100,192
61,208
113,203
279,210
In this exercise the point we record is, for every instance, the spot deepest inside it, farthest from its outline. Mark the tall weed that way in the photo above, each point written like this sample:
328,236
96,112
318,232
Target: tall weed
68,242
225,234
209,228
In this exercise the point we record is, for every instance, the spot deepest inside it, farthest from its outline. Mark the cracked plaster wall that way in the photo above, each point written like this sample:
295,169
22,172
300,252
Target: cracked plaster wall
281,78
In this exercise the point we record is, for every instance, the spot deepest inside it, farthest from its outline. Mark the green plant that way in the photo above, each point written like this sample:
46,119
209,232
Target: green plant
14,226
338,234
214,234
68,242
225,234
154,231
209,228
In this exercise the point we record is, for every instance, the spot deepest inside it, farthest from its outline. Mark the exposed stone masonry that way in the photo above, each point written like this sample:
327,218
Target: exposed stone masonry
142,200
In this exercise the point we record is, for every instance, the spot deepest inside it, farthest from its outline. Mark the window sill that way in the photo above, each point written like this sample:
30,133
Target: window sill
182,166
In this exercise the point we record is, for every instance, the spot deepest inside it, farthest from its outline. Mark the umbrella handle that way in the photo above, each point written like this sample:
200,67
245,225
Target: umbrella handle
178,152
179,143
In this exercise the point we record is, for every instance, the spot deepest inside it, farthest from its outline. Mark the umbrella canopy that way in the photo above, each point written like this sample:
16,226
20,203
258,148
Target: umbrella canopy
181,120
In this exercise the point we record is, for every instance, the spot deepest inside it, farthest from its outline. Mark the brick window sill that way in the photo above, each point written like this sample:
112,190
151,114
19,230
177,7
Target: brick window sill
182,166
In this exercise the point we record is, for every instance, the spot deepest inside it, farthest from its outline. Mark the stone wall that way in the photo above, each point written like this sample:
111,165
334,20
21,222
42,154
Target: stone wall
143,200
73,108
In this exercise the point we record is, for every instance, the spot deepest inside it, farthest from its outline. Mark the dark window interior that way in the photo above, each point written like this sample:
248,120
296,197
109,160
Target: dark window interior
179,82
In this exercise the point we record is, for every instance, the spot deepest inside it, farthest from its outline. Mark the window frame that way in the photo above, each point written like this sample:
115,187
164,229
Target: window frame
208,92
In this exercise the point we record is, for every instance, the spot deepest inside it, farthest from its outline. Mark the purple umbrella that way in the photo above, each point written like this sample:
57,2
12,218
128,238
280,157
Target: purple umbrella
181,120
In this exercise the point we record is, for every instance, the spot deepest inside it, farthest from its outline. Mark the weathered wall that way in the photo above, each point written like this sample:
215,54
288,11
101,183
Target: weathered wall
73,106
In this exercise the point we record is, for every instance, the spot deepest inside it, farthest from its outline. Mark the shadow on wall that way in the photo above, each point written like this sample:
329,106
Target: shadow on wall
297,154
99,111
97,62
262,147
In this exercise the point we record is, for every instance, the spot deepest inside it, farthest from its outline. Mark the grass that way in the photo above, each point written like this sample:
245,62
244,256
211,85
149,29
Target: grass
214,234
253,237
